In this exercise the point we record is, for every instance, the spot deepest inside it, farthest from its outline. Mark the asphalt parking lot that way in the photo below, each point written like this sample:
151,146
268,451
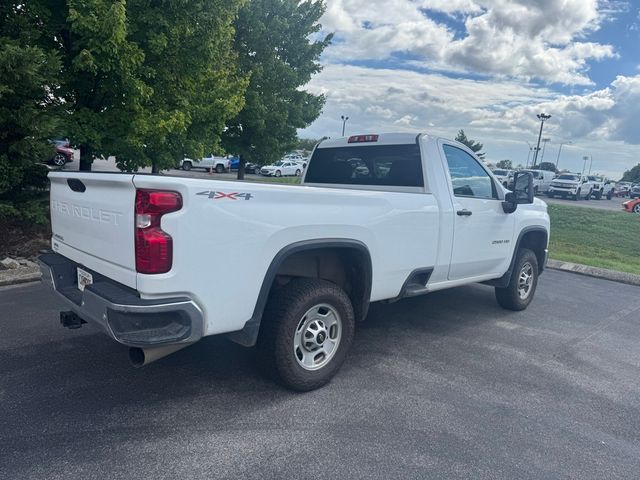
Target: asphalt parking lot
604,204
442,386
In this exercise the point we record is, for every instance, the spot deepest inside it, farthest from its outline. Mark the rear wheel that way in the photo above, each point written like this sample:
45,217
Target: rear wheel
636,208
306,332
588,197
186,166
297,173
598,194
522,285
219,168
278,173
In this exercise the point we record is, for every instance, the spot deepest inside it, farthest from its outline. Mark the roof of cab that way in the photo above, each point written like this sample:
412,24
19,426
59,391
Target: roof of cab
383,139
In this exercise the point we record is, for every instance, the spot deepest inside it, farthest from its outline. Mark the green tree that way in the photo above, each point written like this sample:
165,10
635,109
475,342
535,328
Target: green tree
632,175
191,70
473,145
506,164
274,40
26,120
100,87
306,144
549,166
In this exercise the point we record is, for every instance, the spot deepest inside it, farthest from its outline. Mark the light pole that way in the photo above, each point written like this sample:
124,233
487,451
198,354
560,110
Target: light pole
584,164
544,145
560,150
344,122
590,163
542,117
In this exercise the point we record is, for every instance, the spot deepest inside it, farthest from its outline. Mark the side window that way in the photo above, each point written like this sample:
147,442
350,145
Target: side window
468,177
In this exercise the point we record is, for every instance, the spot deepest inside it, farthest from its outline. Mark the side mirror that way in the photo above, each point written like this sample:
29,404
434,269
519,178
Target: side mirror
522,192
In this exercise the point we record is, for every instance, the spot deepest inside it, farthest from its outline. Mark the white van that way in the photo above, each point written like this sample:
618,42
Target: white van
541,180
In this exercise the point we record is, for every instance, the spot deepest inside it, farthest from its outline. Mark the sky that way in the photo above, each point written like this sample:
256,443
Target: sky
488,67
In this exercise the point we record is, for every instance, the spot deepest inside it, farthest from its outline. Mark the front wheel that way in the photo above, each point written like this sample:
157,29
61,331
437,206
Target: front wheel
186,166
278,173
306,332
219,168
297,173
598,194
522,285
636,208
576,196
59,160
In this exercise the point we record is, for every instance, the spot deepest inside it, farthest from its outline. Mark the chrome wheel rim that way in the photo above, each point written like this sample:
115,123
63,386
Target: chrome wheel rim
525,281
317,337
59,160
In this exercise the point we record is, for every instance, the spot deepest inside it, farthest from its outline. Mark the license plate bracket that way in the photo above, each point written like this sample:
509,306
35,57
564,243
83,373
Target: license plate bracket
84,279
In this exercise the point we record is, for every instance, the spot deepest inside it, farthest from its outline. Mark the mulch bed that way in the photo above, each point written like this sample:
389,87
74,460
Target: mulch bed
22,240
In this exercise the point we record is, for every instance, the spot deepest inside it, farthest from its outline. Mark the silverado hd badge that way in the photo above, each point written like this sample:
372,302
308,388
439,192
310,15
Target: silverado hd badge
222,195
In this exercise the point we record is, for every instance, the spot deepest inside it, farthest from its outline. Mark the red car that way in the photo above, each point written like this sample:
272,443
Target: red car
632,206
63,153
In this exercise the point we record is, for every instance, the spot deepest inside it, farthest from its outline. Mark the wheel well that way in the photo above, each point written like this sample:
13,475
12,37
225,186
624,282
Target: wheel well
535,240
347,267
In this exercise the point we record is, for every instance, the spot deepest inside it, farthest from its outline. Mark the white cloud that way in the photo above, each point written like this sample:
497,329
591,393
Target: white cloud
527,39
499,113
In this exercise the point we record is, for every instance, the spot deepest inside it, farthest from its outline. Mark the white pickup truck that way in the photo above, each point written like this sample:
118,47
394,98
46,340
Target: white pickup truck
377,218
219,164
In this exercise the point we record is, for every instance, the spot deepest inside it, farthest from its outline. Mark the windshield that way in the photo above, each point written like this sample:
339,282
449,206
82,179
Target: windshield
594,178
575,178
500,172
278,164
535,173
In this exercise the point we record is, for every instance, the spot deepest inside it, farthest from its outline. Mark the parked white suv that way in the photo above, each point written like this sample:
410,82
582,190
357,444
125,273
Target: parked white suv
572,185
505,176
305,261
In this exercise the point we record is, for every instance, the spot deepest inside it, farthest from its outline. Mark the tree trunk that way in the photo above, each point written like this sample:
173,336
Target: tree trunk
155,168
241,165
86,158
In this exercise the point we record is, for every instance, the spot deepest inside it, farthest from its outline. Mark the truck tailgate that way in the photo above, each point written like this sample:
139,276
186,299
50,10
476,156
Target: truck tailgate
92,221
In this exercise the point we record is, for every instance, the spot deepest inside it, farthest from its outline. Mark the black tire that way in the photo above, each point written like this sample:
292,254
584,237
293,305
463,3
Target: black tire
576,197
636,208
598,194
297,173
59,160
186,166
610,195
588,197
509,296
283,314
219,168
278,173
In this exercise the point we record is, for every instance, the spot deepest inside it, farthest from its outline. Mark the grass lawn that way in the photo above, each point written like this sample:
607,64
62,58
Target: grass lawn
595,237
286,180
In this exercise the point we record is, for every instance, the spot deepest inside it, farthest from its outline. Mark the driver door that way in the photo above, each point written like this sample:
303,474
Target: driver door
482,231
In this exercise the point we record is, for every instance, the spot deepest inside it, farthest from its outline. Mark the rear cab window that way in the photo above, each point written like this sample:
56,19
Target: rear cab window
367,165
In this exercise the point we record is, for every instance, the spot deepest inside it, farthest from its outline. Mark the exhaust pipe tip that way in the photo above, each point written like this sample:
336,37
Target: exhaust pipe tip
136,357
140,357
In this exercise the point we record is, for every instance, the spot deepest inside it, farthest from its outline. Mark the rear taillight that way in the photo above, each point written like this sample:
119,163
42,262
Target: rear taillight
154,247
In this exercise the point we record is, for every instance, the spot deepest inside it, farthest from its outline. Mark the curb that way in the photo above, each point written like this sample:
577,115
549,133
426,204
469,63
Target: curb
19,275
595,272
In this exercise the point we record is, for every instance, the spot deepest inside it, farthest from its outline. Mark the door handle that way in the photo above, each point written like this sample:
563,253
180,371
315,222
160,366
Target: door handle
464,213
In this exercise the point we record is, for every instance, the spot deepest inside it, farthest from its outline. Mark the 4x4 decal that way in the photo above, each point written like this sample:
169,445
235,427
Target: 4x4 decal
222,195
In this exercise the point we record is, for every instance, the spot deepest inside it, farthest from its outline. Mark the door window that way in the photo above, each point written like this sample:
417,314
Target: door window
469,179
